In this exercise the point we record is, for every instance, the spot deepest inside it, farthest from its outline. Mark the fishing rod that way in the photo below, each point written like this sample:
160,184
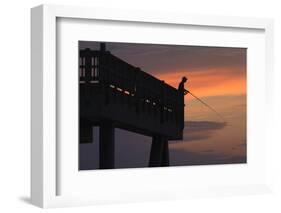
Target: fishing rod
208,106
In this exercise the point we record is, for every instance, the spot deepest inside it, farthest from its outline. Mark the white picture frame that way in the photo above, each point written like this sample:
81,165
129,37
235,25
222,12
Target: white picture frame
45,168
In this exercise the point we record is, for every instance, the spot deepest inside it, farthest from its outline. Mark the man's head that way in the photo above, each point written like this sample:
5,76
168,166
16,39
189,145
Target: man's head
184,79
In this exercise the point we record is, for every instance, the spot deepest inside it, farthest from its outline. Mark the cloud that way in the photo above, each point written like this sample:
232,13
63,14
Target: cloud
192,58
187,158
203,125
208,151
199,130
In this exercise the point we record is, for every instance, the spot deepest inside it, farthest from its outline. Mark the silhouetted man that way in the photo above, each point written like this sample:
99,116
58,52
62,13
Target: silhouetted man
183,91
181,86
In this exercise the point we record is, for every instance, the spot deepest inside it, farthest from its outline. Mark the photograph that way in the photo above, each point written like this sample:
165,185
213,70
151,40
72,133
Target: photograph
160,105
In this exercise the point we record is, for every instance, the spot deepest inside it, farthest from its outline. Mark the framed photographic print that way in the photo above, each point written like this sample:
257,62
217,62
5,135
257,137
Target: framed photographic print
132,106
152,113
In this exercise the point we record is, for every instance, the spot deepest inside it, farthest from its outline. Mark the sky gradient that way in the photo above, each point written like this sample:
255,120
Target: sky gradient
217,75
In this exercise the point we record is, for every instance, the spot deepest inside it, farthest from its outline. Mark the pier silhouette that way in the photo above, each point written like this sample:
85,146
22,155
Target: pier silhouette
115,94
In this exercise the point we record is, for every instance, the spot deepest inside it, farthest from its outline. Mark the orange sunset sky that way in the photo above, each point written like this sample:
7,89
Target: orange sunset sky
217,75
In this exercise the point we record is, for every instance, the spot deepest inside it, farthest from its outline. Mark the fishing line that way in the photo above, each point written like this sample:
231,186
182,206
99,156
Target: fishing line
208,106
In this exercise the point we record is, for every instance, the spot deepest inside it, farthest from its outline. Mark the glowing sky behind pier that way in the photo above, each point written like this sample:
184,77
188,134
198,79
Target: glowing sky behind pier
215,74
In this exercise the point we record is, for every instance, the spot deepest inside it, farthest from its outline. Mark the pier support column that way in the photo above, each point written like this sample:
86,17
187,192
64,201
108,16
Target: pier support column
85,132
159,153
165,152
106,146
